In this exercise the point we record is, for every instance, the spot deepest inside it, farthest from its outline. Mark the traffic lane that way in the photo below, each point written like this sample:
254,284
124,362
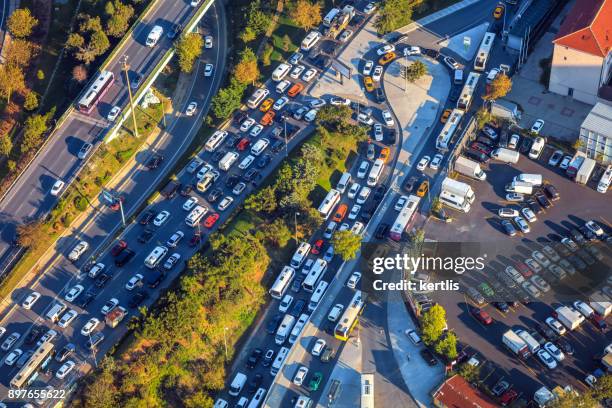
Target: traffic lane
463,19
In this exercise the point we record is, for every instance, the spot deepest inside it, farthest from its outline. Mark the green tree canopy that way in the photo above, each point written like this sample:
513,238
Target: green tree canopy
228,99
21,23
119,16
415,71
393,14
469,372
33,130
306,14
90,41
433,323
447,346
188,49
246,71
346,244
276,233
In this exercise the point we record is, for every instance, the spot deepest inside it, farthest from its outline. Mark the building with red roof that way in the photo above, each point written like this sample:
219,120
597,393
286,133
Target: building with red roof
456,392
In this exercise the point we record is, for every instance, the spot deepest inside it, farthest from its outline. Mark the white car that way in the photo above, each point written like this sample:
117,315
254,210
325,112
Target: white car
554,351
507,212
329,230
378,132
67,318
90,326
357,228
367,68
412,50
318,347
246,124
388,118
514,141
172,260
109,305
208,70
547,359
112,115
284,305
353,280
96,269
239,188
515,197
344,37
335,312
594,227
280,103
57,187
363,169
533,265
423,163
190,203
256,130
540,258
555,158
364,193
175,239
134,282
537,126
540,283
297,71
317,103
30,300
160,218
353,190
246,162
338,101
13,357
191,108
522,224
65,369
226,202
528,214
451,63
385,49
400,203
556,326
300,375
565,162
10,340
435,162
365,118
377,74
208,41
78,250
531,289
73,293
570,244
309,75
354,212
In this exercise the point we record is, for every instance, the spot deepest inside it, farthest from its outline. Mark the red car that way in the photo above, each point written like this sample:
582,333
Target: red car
117,203
524,270
195,240
508,397
482,316
211,220
118,248
243,144
317,247
481,148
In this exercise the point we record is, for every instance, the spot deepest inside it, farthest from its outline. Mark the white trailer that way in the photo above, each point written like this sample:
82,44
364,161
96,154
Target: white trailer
586,169
505,155
519,187
469,168
458,188
601,308
516,344
569,317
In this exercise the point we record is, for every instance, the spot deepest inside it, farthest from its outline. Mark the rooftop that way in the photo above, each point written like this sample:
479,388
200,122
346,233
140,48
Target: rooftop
532,15
588,27
456,392
599,120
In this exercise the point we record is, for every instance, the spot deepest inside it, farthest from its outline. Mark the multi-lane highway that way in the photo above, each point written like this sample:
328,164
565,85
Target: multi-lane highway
29,197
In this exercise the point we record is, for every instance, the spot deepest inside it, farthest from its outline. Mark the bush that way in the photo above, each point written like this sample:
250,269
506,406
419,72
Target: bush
80,203
124,155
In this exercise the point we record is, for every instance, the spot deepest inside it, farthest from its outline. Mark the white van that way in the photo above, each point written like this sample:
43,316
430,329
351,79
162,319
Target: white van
533,179
221,403
257,97
604,182
278,360
195,215
237,384
260,146
215,140
300,254
56,310
536,148
246,162
310,40
458,77
344,182
532,343
226,162
281,71
311,115
282,86
155,257
154,36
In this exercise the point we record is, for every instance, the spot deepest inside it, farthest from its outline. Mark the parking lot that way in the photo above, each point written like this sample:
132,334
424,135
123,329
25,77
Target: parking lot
482,224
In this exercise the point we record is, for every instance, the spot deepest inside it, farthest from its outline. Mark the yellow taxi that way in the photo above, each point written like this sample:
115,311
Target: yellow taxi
369,83
423,188
384,154
499,11
445,115
388,57
266,105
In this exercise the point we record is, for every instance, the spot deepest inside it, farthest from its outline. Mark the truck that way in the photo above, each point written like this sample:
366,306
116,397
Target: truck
519,187
459,189
340,23
601,308
505,155
574,164
469,168
533,179
586,169
532,343
329,18
506,110
516,344
569,317
115,316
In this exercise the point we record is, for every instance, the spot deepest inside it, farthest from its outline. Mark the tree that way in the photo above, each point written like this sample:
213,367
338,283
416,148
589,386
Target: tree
246,71
573,400
436,205
40,74
6,145
433,324
578,144
34,128
119,18
248,35
258,21
394,14
21,23
262,201
414,71
483,116
79,73
469,372
90,42
19,52
447,346
334,117
101,392
499,87
346,244
31,101
603,388
276,233
227,99
306,14
11,79
188,49
28,234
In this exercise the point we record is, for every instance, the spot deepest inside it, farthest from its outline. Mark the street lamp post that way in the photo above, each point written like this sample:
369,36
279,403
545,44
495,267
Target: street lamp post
285,133
122,213
295,224
125,67
225,329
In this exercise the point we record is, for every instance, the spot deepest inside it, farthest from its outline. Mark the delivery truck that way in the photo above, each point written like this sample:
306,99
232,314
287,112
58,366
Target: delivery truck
469,168
458,188
570,318
516,344
533,179
519,187
574,164
532,343
115,316
505,155
601,308
586,169
505,110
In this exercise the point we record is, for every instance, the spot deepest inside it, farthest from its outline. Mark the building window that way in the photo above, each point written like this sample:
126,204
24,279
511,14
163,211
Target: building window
570,91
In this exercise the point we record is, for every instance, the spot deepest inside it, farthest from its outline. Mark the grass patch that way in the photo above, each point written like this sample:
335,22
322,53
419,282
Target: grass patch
285,40
431,6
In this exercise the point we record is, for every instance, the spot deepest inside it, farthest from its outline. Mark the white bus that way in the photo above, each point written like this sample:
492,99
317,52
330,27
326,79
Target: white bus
155,257
315,274
215,140
299,326
310,40
454,201
226,162
329,203
465,100
95,92
279,360
282,282
350,317
317,295
284,330
28,372
329,17
367,390
483,52
281,71
604,181
404,217
257,97
195,215
375,172
300,254
448,130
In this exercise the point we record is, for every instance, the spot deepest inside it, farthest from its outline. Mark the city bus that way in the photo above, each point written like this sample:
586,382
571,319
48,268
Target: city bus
483,52
317,295
315,274
29,371
367,390
282,283
95,92
465,100
350,317
404,217
448,130
331,199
